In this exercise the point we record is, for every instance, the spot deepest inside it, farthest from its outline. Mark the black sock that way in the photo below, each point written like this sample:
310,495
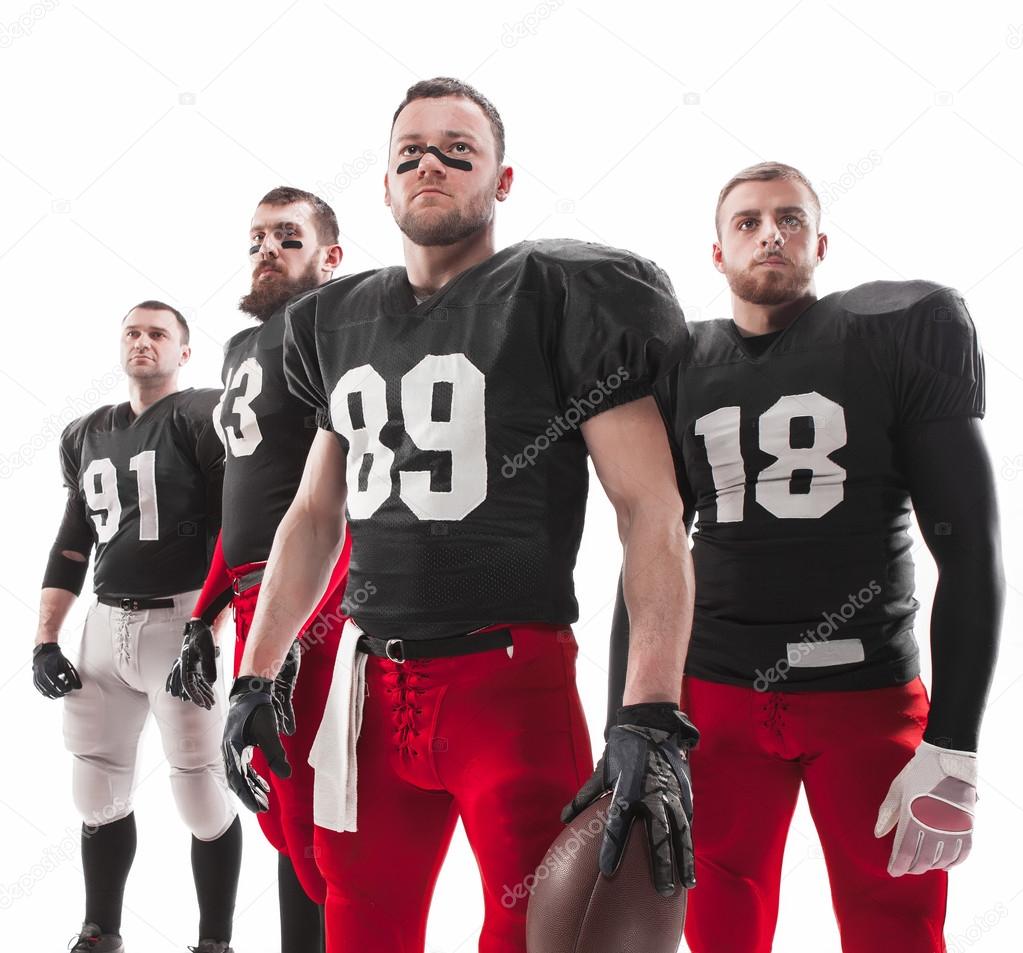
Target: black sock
107,854
301,930
216,865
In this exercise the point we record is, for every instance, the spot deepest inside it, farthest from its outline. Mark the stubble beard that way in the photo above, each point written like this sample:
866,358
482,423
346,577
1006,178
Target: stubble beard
427,228
766,286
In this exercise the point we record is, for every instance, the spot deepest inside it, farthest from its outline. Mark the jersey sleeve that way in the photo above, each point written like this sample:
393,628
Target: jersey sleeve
939,363
301,362
208,450
622,330
71,455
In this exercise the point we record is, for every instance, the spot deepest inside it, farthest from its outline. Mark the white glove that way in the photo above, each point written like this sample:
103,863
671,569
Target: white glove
932,801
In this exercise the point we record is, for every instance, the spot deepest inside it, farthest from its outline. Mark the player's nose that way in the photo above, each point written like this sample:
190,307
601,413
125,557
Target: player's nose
430,163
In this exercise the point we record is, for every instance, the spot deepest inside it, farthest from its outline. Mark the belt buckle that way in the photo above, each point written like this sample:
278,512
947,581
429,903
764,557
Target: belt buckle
129,605
387,651
234,585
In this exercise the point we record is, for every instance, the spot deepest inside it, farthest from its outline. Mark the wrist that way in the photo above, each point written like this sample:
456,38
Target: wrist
664,716
251,684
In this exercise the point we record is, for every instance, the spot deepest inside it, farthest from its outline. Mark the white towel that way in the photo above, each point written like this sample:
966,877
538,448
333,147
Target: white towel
332,755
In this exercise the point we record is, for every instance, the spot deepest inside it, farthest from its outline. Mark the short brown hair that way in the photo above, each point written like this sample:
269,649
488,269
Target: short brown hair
441,86
324,219
765,172
154,305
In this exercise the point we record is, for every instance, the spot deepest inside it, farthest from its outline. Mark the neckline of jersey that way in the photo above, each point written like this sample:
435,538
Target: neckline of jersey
429,302
135,418
778,335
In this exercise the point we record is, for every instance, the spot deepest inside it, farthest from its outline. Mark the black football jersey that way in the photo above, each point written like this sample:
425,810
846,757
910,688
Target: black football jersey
150,488
267,432
466,468
790,456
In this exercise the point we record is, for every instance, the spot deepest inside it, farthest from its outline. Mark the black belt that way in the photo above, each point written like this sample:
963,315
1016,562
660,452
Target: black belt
249,580
403,650
134,605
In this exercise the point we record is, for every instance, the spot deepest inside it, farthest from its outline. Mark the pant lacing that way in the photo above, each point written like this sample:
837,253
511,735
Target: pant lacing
774,709
123,647
405,686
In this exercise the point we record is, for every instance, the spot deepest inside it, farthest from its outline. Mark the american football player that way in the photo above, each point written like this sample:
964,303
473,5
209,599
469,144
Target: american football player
267,431
458,398
807,432
144,482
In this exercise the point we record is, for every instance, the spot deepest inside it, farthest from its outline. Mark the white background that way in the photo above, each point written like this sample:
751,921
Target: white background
135,140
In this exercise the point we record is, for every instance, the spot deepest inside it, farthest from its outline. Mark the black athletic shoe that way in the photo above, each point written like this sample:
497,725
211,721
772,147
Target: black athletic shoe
94,940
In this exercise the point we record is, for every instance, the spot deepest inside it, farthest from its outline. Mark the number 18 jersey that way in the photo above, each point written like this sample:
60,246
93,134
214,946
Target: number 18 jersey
466,468
804,575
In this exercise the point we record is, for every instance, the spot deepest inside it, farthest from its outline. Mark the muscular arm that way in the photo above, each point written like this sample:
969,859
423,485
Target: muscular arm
305,551
629,447
953,491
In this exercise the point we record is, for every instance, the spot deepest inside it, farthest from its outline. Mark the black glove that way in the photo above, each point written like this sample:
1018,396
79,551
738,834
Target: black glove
195,670
284,688
646,764
52,673
251,722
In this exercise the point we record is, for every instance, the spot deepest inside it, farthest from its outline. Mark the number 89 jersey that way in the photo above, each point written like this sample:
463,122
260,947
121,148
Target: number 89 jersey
804,576
466,469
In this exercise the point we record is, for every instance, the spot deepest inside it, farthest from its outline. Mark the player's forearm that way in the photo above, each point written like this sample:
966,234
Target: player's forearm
658,584
305,550
965,622
54,606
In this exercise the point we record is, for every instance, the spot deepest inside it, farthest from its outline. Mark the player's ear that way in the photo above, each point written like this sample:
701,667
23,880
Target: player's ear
504,182
186,353
333,257
822,247
387,192
715,257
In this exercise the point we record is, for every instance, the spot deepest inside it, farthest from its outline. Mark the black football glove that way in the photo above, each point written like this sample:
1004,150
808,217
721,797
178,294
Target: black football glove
194,671
646,765
52,673
284,688
252,722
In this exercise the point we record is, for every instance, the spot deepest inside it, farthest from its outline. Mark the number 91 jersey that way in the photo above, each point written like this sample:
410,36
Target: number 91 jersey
460,416
149,487
804,576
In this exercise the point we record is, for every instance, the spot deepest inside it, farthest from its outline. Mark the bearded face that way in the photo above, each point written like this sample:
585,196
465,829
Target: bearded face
271,288
770,280
426,223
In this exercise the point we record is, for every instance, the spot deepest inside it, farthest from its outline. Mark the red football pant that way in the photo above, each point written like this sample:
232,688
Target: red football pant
756,748
501,743
288,825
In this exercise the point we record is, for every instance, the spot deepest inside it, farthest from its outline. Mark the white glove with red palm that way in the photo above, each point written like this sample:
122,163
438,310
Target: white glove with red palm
931,806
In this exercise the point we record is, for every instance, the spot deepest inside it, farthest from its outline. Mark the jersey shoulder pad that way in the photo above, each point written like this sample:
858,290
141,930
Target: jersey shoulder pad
198,402
239,339
923,319
572,255
888,298
710,342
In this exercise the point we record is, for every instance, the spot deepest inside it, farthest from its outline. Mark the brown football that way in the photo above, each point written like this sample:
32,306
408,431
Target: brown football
576,909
